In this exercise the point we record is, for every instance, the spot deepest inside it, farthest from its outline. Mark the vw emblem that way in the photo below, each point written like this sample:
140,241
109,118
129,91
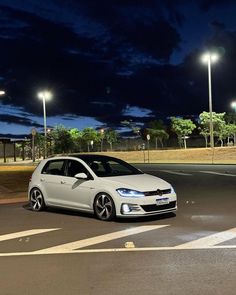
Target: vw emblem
159,192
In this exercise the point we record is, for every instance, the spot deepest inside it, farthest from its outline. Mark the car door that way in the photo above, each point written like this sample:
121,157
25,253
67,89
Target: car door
76,193
51,178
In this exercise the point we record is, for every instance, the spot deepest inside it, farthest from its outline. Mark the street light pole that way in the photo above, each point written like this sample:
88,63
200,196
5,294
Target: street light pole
209,58
45,95
210,102
233,105
45,127
102,137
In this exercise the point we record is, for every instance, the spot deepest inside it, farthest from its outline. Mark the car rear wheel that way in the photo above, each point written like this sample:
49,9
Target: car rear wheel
36,200
104,207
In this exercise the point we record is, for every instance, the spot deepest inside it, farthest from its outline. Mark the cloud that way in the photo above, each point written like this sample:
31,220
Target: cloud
205,5
217,26
11,119
123,46
78,69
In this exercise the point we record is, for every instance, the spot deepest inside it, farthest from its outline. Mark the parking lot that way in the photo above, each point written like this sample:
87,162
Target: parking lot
65,252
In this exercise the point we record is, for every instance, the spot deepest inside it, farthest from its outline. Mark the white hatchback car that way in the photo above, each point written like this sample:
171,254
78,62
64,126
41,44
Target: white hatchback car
99,184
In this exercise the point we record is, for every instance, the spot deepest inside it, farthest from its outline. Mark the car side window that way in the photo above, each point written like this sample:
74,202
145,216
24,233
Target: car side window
75,167
54,167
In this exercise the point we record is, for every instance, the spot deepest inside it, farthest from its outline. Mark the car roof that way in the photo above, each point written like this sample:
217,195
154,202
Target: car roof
85,157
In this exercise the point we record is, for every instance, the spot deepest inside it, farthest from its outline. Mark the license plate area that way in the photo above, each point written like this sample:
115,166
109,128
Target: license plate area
162,201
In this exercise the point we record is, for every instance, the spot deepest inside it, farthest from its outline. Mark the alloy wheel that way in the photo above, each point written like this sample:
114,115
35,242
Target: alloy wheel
36,200
104,207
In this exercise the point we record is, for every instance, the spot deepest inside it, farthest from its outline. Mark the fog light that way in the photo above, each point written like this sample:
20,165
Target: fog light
125,208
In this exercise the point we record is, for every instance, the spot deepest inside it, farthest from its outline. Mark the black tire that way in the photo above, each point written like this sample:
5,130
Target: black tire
36,200
104,207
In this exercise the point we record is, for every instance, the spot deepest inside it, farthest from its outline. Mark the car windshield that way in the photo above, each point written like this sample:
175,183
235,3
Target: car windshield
104,166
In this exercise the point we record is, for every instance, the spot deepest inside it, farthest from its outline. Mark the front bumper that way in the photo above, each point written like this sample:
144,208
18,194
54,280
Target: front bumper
134,207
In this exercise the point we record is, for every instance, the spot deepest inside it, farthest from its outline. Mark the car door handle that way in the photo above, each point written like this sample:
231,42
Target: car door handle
63,182
42,179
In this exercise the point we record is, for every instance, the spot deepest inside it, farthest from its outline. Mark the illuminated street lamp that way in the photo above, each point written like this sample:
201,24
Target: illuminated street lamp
209,58
102,137
45,95
2,92
233,105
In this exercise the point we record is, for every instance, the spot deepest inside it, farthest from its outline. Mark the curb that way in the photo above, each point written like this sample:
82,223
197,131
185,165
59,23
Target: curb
13,201
12,198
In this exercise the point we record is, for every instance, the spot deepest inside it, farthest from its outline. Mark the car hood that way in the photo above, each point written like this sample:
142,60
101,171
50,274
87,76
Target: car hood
139,182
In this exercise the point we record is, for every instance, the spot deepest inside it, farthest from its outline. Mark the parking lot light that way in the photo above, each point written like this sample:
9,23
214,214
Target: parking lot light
45,95
209,58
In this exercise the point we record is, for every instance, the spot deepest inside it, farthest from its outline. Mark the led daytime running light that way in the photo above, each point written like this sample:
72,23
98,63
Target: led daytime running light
128,193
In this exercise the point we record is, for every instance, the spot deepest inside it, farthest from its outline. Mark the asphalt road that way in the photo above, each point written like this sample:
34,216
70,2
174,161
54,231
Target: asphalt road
63,252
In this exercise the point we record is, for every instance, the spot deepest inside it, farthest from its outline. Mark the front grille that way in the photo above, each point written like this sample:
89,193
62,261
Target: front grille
158,192
150,208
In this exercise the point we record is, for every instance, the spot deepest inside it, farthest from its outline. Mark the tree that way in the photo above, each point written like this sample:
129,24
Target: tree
39,144
218,124
157,130
222,132
111,136
76,136
63,142
183,128
101,136
231,119
133,126
90,136
227,131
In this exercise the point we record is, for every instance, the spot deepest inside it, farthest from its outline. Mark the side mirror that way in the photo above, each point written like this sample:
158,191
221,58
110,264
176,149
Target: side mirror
81,176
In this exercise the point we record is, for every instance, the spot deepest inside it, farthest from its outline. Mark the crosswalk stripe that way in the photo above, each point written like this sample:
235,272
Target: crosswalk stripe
207,243
210,241
99,239
217,173
176,173
25,233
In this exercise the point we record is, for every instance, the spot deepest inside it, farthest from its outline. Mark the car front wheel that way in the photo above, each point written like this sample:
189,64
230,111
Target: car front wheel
36,200
104,207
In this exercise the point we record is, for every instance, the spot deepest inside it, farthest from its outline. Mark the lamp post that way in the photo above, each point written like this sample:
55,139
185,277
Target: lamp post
233,105
45,95
102,137
210,58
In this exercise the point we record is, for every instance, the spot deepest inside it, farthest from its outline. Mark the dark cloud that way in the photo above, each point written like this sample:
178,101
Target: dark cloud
148,37
129,56
207,4
78,69
217,26
11,119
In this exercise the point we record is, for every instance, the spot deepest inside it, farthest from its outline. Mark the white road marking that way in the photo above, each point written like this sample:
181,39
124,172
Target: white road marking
25,233
141,249
99,239
206,243
210,241
176,173
217,173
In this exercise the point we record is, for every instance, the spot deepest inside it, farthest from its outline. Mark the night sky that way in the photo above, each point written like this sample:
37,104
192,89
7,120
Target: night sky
108,61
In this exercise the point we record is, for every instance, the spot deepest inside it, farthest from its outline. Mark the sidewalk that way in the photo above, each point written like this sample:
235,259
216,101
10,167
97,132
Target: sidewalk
11,198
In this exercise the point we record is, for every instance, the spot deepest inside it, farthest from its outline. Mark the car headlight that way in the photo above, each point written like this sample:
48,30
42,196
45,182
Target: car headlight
128,193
